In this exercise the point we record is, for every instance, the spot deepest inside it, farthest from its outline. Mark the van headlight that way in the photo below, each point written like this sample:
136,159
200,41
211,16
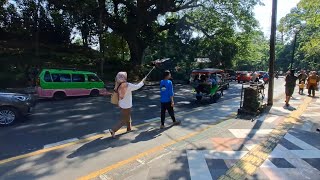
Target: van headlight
21,98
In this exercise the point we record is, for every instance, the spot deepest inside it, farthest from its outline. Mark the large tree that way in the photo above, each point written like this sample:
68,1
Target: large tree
140,21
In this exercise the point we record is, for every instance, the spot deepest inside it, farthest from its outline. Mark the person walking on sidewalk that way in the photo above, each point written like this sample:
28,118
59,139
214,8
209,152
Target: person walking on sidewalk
124,90
313,81
290,85
301,87
302,76
167,101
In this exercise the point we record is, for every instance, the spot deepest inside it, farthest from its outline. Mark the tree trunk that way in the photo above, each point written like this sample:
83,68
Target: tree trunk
102,55
101,42
36,26
136,51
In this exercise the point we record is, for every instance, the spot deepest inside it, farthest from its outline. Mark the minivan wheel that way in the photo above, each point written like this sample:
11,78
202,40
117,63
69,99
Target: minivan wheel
59,95
94,93
8,116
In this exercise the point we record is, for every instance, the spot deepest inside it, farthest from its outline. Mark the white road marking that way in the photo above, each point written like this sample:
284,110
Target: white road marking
269,119
60,143
140,161
268,164
243,133
307,153
198,166
299,142
307,126
225,154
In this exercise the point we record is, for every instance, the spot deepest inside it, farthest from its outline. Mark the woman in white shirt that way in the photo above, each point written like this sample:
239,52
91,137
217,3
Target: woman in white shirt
124,90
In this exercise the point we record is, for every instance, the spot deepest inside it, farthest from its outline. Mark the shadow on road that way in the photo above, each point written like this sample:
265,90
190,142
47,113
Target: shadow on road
101,144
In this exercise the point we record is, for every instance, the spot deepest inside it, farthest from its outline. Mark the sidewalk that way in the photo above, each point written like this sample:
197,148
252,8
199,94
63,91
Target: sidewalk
282,144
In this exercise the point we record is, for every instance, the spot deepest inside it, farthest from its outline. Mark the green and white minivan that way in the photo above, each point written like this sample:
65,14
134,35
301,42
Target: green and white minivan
59,83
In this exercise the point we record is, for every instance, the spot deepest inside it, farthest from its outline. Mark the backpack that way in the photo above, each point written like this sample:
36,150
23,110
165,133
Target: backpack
115,96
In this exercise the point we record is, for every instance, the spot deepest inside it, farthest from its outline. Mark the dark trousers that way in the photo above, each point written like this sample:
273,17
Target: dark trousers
164,108
312,89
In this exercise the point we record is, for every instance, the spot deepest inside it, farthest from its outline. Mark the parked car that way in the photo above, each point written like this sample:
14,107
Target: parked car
60,83
14,106
244,76
261,73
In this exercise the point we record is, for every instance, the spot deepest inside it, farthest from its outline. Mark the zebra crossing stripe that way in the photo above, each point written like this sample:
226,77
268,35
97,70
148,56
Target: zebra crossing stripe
257,156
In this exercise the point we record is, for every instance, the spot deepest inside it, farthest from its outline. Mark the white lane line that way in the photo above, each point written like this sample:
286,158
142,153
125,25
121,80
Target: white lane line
60,143
198,166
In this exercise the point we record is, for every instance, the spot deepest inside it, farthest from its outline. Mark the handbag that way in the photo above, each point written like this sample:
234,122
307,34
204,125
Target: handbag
115,96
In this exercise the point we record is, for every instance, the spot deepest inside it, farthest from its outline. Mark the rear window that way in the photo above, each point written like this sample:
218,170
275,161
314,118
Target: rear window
78,78
47,77
61,77
93,78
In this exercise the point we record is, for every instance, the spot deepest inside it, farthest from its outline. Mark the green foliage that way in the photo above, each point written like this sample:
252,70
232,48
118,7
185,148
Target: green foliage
303,20
130,33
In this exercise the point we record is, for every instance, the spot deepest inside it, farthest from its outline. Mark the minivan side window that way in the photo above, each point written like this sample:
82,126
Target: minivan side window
78,78
47,77
61,77
93,78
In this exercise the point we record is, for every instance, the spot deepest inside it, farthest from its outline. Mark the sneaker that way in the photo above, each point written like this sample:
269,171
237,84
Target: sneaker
162,127
177,123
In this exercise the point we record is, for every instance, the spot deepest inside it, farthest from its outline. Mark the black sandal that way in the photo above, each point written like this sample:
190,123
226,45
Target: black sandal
112,133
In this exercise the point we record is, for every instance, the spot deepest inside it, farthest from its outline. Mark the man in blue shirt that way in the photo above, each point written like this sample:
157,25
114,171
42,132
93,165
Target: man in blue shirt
167,102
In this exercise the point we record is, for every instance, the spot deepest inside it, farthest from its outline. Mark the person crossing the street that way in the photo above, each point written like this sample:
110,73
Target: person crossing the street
124,90
167,101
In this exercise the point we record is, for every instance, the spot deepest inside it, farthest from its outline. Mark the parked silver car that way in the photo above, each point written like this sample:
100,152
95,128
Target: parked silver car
14,106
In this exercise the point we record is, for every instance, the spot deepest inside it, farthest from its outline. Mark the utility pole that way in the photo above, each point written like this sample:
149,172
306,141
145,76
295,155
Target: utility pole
294,49
272,51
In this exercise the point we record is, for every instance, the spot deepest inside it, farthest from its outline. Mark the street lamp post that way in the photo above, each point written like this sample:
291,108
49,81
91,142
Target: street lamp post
294,48
272,51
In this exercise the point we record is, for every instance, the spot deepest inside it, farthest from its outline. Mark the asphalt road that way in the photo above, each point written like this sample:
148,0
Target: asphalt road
55,121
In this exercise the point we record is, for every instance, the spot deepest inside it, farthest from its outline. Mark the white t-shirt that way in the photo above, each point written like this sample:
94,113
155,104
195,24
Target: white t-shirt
126,102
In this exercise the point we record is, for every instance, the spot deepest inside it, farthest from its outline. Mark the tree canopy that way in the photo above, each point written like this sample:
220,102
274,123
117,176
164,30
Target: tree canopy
303,20
112,35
